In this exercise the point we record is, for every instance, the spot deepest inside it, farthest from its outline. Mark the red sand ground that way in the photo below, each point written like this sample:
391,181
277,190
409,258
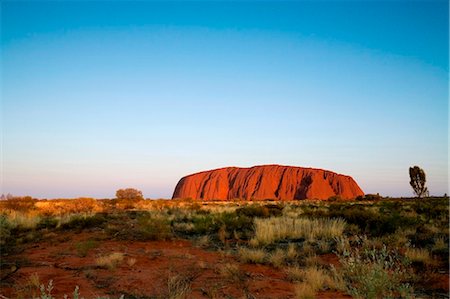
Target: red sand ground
155,261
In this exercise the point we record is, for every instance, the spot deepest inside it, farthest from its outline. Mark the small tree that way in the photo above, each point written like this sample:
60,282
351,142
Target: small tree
129,194
127,198
418,180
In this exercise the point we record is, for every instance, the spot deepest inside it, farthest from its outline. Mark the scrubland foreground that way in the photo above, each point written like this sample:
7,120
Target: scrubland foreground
83,248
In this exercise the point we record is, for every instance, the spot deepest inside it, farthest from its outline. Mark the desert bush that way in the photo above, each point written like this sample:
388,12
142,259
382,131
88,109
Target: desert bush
369,197
47,223
22,204
129,194
82,205
335,198
128,198
432,208
110,261
377,223
374,273
234,222
23,220
262,211
273,229
84,247
140,226
5,230
85,221
152,228
204,224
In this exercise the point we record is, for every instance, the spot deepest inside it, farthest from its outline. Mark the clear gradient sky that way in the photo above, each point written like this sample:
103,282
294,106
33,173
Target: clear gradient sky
97,96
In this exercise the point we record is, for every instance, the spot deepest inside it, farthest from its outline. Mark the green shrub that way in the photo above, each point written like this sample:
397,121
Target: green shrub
141,226
334,198
235,222
84,247
85,222
5,230
264,211
373,273
47,223
205,224
152,228
372,222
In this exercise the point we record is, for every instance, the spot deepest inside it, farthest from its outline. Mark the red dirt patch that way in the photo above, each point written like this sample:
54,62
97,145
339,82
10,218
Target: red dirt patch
145,270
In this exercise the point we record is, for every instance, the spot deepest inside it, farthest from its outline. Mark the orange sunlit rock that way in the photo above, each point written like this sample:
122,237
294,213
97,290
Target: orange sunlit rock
266,182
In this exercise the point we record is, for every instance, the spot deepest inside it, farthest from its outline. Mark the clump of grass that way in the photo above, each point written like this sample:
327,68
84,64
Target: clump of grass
304,290
23,220
84,247
247,255
419,256
277,258
131,261
295,273
178,286
270,230
316,277
440,245
291,252
110,261
231,272
203,241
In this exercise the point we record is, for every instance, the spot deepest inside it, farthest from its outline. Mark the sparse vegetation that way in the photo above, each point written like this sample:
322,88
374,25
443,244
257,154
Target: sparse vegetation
273,229
384,247
84,247
110,261
247,255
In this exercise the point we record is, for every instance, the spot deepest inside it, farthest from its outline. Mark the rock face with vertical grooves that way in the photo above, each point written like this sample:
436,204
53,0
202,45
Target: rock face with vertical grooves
266,182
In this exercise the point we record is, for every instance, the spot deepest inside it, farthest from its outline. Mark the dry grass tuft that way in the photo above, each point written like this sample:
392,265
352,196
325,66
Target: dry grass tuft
178,287
247,255
231,272
270,230
131,262
291,252
304,290
110,261
419,255
277,258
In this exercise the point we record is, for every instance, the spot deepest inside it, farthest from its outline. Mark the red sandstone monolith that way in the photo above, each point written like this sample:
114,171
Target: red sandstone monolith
266,182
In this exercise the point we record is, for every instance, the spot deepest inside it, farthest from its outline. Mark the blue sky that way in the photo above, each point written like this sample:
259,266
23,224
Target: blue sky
97,96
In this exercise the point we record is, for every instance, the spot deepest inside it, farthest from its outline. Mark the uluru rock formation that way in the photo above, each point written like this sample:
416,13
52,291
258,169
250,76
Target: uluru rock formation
266,182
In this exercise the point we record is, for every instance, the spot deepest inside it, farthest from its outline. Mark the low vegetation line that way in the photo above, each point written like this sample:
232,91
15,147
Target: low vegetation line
270,230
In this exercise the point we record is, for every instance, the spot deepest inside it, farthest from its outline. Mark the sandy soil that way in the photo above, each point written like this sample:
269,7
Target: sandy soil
145,271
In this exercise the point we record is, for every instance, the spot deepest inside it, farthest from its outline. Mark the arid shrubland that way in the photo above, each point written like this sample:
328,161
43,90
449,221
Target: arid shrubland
273,229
